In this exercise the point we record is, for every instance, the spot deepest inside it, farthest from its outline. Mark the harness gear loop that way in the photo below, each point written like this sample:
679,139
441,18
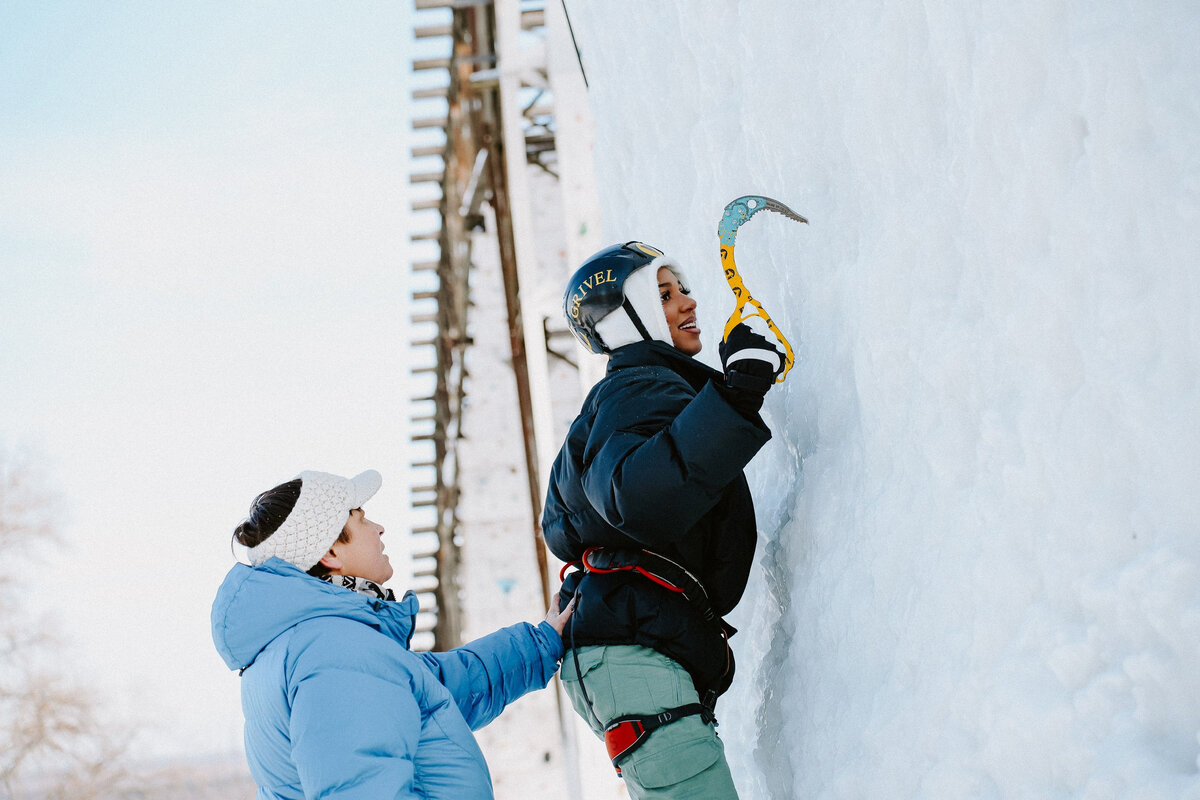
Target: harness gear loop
737,212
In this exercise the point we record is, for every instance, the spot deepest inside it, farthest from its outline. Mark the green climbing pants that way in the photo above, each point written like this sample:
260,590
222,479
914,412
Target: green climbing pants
684,759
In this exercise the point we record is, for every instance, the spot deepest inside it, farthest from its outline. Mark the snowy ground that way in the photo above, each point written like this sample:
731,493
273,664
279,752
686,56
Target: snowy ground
979,574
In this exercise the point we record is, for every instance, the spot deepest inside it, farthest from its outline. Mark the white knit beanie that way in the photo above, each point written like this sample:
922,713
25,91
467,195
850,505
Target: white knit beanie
318,518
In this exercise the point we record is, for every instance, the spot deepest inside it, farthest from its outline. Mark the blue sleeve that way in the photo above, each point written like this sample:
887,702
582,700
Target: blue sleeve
353,733
487,674
658,458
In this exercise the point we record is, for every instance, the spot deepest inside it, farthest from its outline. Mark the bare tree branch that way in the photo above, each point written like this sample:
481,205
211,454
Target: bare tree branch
53,742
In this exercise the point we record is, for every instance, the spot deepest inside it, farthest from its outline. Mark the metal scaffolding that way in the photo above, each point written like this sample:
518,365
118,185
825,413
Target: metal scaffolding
495,122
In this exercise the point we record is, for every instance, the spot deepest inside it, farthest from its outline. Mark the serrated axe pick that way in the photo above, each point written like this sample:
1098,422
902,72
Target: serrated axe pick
736,214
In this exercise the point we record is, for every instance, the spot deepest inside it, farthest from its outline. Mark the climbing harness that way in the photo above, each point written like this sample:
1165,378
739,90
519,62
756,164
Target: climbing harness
661,570
626,734
736,213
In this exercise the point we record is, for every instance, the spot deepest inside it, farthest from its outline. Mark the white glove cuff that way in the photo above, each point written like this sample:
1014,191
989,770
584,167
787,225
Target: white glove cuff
769,356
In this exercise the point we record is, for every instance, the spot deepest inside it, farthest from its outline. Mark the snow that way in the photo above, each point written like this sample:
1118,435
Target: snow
978,574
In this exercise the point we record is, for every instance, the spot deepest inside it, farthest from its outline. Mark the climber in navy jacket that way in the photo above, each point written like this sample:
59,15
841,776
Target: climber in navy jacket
648,498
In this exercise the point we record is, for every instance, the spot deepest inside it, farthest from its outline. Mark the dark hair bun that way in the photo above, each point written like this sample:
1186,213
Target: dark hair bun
267,513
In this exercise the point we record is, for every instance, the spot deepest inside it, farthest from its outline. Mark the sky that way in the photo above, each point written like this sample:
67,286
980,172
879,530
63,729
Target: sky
204,221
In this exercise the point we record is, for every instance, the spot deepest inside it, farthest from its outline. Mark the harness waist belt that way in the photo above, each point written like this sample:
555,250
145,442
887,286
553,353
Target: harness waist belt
659,569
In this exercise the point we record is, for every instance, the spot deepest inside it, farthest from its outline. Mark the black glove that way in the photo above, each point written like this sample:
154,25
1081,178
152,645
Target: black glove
752,362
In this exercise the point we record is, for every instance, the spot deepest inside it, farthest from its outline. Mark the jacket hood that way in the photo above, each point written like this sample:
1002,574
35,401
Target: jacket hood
254,605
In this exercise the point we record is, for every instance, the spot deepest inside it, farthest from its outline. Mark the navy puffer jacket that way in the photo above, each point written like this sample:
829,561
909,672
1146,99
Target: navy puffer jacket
654,461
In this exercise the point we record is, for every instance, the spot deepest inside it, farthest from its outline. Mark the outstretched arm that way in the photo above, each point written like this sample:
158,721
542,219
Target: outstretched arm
487,674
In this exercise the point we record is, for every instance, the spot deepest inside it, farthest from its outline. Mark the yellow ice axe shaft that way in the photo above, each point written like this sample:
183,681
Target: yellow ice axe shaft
736,213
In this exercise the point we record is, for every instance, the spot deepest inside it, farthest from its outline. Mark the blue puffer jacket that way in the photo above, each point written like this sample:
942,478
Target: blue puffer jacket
336,705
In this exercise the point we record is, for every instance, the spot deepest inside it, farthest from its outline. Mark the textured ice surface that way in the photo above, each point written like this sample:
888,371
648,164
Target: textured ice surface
979,568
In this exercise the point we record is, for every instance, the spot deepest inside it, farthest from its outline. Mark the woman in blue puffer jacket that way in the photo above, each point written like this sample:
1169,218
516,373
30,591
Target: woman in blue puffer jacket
336,705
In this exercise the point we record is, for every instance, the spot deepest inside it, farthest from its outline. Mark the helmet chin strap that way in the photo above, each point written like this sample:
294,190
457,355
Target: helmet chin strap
636,320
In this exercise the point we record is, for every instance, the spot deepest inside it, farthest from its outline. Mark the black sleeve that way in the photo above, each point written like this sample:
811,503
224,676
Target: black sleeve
659,458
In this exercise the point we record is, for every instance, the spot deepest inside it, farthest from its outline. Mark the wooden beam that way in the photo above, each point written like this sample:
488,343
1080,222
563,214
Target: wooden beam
424,5
425,64
432,31
430,93
425,123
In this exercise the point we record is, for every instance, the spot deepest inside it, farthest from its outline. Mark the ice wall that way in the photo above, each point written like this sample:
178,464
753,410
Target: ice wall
979,568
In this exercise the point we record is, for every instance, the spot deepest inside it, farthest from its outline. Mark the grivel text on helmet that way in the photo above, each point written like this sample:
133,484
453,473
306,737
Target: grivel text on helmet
582,289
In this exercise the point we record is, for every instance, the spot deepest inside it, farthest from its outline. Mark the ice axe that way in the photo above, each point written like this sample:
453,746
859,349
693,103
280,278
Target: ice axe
736,214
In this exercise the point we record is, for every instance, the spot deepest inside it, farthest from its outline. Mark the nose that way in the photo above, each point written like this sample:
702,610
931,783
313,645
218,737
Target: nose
689,303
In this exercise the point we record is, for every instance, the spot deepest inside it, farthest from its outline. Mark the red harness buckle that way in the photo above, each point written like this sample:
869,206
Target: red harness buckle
623,737
625,734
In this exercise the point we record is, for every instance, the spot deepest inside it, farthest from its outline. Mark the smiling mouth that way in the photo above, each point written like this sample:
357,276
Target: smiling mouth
690,326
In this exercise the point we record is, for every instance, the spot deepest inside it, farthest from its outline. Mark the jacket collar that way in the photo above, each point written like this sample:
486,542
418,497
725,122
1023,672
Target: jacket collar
360,585
256,604
641,354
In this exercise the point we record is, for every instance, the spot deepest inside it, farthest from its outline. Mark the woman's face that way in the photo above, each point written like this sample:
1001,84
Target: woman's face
680,310
363,555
